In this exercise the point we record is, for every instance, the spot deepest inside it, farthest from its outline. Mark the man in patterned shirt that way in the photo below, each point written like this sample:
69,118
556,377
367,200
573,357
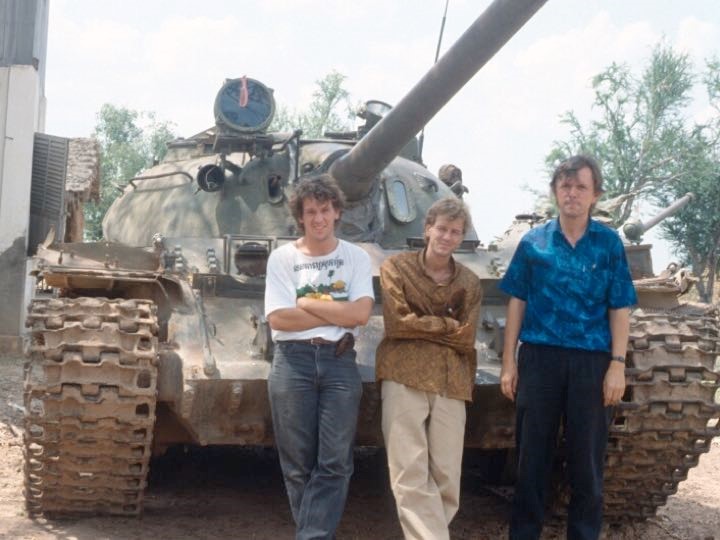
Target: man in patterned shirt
570,293
426,364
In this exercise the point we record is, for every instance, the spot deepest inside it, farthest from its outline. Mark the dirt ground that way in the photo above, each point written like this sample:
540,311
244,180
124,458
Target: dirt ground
214,494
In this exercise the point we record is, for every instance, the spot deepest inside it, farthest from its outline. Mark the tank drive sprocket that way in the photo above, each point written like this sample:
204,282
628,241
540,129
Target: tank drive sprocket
90,396
672,413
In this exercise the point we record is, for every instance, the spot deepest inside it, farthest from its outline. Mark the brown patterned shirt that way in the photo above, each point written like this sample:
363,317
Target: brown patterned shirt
418,349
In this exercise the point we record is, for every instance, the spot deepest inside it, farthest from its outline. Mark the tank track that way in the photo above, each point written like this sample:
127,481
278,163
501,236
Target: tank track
90,395
672,414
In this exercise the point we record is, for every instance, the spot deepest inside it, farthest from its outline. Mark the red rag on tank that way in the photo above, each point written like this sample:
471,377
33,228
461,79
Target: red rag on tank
243,101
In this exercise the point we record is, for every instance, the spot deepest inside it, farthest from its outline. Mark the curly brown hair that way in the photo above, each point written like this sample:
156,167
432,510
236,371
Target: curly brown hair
321,187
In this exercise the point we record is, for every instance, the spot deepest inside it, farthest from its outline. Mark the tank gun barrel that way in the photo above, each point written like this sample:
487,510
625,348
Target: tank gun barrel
356,170
633,230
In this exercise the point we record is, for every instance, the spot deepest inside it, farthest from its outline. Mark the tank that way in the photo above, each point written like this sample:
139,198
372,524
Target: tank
156,336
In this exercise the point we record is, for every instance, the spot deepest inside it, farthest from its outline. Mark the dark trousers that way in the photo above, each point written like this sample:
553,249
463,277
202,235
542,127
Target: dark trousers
555,384
314,400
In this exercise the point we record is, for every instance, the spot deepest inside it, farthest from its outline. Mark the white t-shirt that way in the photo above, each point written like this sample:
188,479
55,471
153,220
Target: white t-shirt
345,274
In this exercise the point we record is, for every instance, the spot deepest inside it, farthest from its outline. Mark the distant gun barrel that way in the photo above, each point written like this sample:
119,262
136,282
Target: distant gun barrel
356,170
633,230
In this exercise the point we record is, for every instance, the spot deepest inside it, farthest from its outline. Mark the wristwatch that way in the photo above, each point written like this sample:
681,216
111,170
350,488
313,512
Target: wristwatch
618,358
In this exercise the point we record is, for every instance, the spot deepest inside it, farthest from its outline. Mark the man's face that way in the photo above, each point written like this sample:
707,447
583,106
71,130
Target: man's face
575,195
318,219
444,236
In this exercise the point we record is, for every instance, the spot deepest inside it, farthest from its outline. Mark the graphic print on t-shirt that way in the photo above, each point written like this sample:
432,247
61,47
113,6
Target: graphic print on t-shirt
323,288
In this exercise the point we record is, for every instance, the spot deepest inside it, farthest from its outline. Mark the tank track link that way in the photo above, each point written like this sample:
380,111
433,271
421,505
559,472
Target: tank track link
90,396
672,414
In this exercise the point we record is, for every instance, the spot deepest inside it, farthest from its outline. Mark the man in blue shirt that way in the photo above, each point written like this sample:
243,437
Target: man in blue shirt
571,291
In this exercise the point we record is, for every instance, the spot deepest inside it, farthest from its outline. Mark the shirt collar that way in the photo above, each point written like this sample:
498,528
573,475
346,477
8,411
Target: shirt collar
421,262
554,228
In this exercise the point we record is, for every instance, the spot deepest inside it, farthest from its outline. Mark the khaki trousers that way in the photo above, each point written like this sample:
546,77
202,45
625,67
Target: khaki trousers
424,435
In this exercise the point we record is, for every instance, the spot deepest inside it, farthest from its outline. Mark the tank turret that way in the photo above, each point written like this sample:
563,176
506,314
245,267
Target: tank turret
640,255
634,229
246,174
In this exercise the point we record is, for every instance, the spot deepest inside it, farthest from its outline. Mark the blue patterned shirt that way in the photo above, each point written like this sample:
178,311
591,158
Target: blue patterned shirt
567,290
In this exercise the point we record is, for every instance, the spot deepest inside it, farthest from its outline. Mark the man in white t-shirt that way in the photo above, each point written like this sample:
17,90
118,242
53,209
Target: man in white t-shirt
318,291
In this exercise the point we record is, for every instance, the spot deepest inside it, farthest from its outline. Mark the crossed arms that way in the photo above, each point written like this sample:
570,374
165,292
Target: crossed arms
456,330
311,313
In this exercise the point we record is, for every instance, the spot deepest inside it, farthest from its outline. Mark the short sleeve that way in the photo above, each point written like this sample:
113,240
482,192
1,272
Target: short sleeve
279,287
516,281
361,284
622,291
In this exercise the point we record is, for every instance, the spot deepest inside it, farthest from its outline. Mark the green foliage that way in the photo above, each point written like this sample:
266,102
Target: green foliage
130,142
638,137
696,230
649,151
330,110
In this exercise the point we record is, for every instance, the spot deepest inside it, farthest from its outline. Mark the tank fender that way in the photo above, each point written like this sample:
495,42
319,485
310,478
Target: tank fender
186,353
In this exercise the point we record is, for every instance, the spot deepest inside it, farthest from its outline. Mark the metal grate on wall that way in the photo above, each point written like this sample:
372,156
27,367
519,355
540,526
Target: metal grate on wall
47,207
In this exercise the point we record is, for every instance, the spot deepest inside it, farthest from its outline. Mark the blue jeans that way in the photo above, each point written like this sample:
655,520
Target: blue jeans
555,384
315,397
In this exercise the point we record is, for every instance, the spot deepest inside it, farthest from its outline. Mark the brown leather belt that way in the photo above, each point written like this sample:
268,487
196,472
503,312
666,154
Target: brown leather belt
341,345
312,341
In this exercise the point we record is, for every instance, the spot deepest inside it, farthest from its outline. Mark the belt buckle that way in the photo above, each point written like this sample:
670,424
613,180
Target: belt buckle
318,341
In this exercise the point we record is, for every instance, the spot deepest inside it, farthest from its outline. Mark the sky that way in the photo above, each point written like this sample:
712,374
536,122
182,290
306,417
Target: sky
171,58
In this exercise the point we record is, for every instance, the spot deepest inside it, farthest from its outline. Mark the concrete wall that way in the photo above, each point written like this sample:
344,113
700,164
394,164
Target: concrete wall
23,51
20,117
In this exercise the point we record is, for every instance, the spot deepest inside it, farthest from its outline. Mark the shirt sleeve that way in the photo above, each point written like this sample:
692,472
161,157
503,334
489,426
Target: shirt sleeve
400,321
361,285
468,319
516,281
279,285
621,291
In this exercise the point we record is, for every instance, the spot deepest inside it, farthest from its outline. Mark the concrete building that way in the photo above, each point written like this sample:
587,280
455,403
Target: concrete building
23,50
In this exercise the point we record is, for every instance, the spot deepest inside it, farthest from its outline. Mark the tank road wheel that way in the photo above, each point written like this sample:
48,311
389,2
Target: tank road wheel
671,416
90,393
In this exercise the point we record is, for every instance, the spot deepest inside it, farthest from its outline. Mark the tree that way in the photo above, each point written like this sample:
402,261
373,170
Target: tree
638,137
330,110
649,151
130,141
696,230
